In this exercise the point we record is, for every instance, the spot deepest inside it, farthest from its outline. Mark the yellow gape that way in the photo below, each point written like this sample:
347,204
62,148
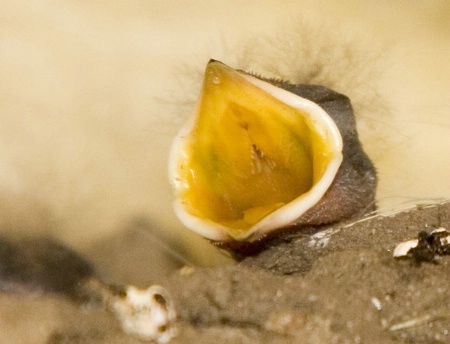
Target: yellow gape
248,152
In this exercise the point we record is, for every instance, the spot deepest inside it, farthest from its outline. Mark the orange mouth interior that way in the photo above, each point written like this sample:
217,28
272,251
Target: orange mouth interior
248,153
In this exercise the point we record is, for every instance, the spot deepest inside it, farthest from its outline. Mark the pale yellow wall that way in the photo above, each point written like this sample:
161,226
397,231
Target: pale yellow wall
85,91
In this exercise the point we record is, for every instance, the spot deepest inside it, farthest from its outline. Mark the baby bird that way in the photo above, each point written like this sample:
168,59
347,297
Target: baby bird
262,155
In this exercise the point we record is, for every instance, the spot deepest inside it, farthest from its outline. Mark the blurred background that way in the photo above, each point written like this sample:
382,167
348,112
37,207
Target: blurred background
92,93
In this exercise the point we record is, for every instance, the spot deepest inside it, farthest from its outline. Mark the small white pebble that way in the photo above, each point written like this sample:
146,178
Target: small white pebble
403,248
148,314
444,240
376,303
439,230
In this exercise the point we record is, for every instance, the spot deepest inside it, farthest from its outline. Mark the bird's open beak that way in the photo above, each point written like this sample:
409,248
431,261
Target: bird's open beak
254,157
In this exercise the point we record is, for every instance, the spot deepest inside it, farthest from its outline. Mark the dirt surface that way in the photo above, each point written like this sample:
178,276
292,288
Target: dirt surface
341,285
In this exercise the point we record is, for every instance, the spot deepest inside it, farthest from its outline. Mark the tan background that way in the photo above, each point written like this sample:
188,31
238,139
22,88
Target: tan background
87,94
